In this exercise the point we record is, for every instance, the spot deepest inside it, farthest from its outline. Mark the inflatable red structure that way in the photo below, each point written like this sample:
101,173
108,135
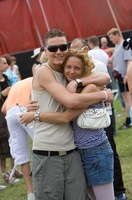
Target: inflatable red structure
23,23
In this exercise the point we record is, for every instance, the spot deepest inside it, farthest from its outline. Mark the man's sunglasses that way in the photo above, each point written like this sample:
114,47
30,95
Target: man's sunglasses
54,48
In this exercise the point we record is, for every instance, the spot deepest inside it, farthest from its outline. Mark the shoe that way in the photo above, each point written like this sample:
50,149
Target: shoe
31,196
7,179
2,187
13,180
121,196
124,126
17,174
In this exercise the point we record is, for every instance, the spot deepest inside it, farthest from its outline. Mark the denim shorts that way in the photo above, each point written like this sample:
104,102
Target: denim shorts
98,164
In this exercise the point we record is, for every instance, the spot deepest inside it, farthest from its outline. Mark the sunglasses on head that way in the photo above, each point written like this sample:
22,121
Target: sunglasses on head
54,48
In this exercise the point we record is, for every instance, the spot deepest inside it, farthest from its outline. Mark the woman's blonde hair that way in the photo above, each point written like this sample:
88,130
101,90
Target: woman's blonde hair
87,63
43,57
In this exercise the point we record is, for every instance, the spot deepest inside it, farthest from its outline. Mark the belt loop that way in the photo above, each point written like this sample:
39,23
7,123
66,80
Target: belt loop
48,154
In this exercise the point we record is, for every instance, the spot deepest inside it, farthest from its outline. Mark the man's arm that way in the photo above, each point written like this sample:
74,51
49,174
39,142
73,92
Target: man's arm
57,117
97,78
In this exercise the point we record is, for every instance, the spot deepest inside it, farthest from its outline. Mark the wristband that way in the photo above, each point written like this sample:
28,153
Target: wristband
106,96
36,116
79,82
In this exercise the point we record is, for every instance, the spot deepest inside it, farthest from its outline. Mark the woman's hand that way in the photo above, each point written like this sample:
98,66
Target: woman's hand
5,92
26,117
72,86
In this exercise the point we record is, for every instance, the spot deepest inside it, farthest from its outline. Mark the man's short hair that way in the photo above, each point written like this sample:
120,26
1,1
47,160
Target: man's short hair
54,33
94,40
113,31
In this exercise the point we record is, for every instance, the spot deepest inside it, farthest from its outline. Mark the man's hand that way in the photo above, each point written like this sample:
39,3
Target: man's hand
109,95
32,106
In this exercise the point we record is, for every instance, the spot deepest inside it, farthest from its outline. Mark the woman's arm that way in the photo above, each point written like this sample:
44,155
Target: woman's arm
58,117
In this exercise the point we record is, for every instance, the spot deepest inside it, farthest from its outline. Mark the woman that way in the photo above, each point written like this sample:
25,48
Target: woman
95,150
4,134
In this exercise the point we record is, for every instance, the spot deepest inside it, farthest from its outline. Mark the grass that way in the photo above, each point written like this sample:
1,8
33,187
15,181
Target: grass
123,141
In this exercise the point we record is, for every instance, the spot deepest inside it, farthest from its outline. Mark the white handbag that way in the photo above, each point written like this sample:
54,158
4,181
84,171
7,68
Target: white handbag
94,118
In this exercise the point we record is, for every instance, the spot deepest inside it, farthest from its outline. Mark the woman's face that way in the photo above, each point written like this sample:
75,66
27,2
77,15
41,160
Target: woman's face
3,65
73,68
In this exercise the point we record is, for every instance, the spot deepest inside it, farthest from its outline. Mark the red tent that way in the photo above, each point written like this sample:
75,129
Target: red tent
23,23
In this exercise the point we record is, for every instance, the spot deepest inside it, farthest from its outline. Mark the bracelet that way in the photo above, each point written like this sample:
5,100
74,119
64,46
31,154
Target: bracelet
36,116
106,96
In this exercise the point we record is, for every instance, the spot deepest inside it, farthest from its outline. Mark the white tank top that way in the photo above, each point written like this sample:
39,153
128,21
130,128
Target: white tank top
49,136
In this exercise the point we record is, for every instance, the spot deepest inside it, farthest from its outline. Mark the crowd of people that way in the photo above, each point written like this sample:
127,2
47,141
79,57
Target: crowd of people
68,162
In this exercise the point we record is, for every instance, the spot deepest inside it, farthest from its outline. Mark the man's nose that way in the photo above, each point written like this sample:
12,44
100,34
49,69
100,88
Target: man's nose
59,51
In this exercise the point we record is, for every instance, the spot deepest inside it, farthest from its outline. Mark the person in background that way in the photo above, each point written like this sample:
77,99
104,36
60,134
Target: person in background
120,60
109,51
129,77
105,47
43,58
36,54
15,67
79,44
101,56
119,188
127,44
16,103
96,51
4,134
13,78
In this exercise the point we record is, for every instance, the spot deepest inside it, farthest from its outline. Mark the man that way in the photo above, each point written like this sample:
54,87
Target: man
95,50
119,189
109,51
79,44
121,59
56,168
104,46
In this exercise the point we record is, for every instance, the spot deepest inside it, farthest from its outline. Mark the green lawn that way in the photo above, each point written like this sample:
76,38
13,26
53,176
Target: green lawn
123,141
